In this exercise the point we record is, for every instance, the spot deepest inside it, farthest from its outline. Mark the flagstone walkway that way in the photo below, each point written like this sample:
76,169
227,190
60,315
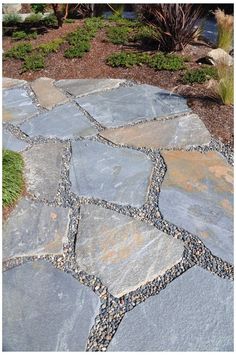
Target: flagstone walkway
124,240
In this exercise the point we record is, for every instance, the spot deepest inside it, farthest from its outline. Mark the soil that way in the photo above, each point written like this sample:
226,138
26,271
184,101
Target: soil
218,118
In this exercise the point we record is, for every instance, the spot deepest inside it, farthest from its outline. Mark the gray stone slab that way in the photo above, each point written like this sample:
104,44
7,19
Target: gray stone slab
81,87
45,309
179,132
8,83
9,141
65,121
42,170
118,175
17,105
193,313
132,104
123,252
34,228
197,194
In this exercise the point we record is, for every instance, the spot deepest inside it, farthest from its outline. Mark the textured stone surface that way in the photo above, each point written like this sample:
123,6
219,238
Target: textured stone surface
123,252
197,194
132,104
65,122
11,142
17,105
116,175
8,83
34,228
193,313
43,168
45,309
80,87
219,55
47,94
172,133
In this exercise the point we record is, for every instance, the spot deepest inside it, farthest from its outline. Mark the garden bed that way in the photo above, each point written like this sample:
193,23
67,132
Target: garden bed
217,118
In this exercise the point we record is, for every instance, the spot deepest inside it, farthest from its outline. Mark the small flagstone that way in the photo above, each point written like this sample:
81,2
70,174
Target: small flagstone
34,228
118,175
193,313
179,132
47,94
123,252
43,168
65,122
127,105
81,87
8,83
9,141
197,194
17,105
45,309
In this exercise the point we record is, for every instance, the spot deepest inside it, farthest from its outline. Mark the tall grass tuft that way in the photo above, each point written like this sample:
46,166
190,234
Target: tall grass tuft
225,25
223,88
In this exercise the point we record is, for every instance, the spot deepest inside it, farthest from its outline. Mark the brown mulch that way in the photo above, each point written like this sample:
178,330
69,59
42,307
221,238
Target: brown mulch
217,117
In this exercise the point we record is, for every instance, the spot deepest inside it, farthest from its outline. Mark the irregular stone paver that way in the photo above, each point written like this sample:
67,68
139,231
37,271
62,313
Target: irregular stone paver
34,228
193,313
47,94
118,175
197,194
8,83
45,309
64,122
17,105
178,132
132,104
81,87
123,252
9,141
43,168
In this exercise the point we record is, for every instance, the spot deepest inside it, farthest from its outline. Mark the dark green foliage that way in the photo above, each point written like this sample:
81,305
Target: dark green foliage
199,75
33,62
50,21
19,51
169,62
50,47
94,23
118,35
145,34
122,21
69,20
11,19
38,8
77,52
12,177
19,35
33,18
127,59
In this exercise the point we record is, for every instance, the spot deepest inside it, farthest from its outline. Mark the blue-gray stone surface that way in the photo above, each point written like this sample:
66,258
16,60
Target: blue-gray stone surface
34,228
45,309
132,104
9,141
65,121
193,313
118,175
17,105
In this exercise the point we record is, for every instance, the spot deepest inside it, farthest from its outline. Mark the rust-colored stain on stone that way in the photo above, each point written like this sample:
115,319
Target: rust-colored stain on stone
225,203
193,171
204,234
54,246
7,115
53,216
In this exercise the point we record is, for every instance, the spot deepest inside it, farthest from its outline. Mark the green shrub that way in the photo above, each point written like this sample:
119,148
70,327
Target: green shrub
11,19
94,23
12,177
33,18
50,21
19,51
166,62
33,62
145,34
38,8
199,75
75,38
77,52
50,47
122,21
19,35
69,20
118,35
127,59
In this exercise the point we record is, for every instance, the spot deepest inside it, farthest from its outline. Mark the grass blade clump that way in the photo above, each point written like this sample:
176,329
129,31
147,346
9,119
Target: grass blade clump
223,88
225,25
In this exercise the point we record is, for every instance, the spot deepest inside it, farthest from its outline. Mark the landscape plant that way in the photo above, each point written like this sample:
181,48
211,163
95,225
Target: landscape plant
11,19
22,35
199,75
223,87
225,26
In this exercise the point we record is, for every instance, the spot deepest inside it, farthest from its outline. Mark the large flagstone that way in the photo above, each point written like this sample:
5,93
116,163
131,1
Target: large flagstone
9,141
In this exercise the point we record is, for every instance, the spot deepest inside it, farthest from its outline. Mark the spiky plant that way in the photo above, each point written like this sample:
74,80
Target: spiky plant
223,88
177,24
225,26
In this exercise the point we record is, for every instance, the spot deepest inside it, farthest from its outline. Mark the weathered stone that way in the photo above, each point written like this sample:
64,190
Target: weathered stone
132,104
81,87
8,83
197,194
65,122
123,252
193,313
45,309
34,228
118,175
43,168
11,8
17,105
218,56
9,141
47,94
178,132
